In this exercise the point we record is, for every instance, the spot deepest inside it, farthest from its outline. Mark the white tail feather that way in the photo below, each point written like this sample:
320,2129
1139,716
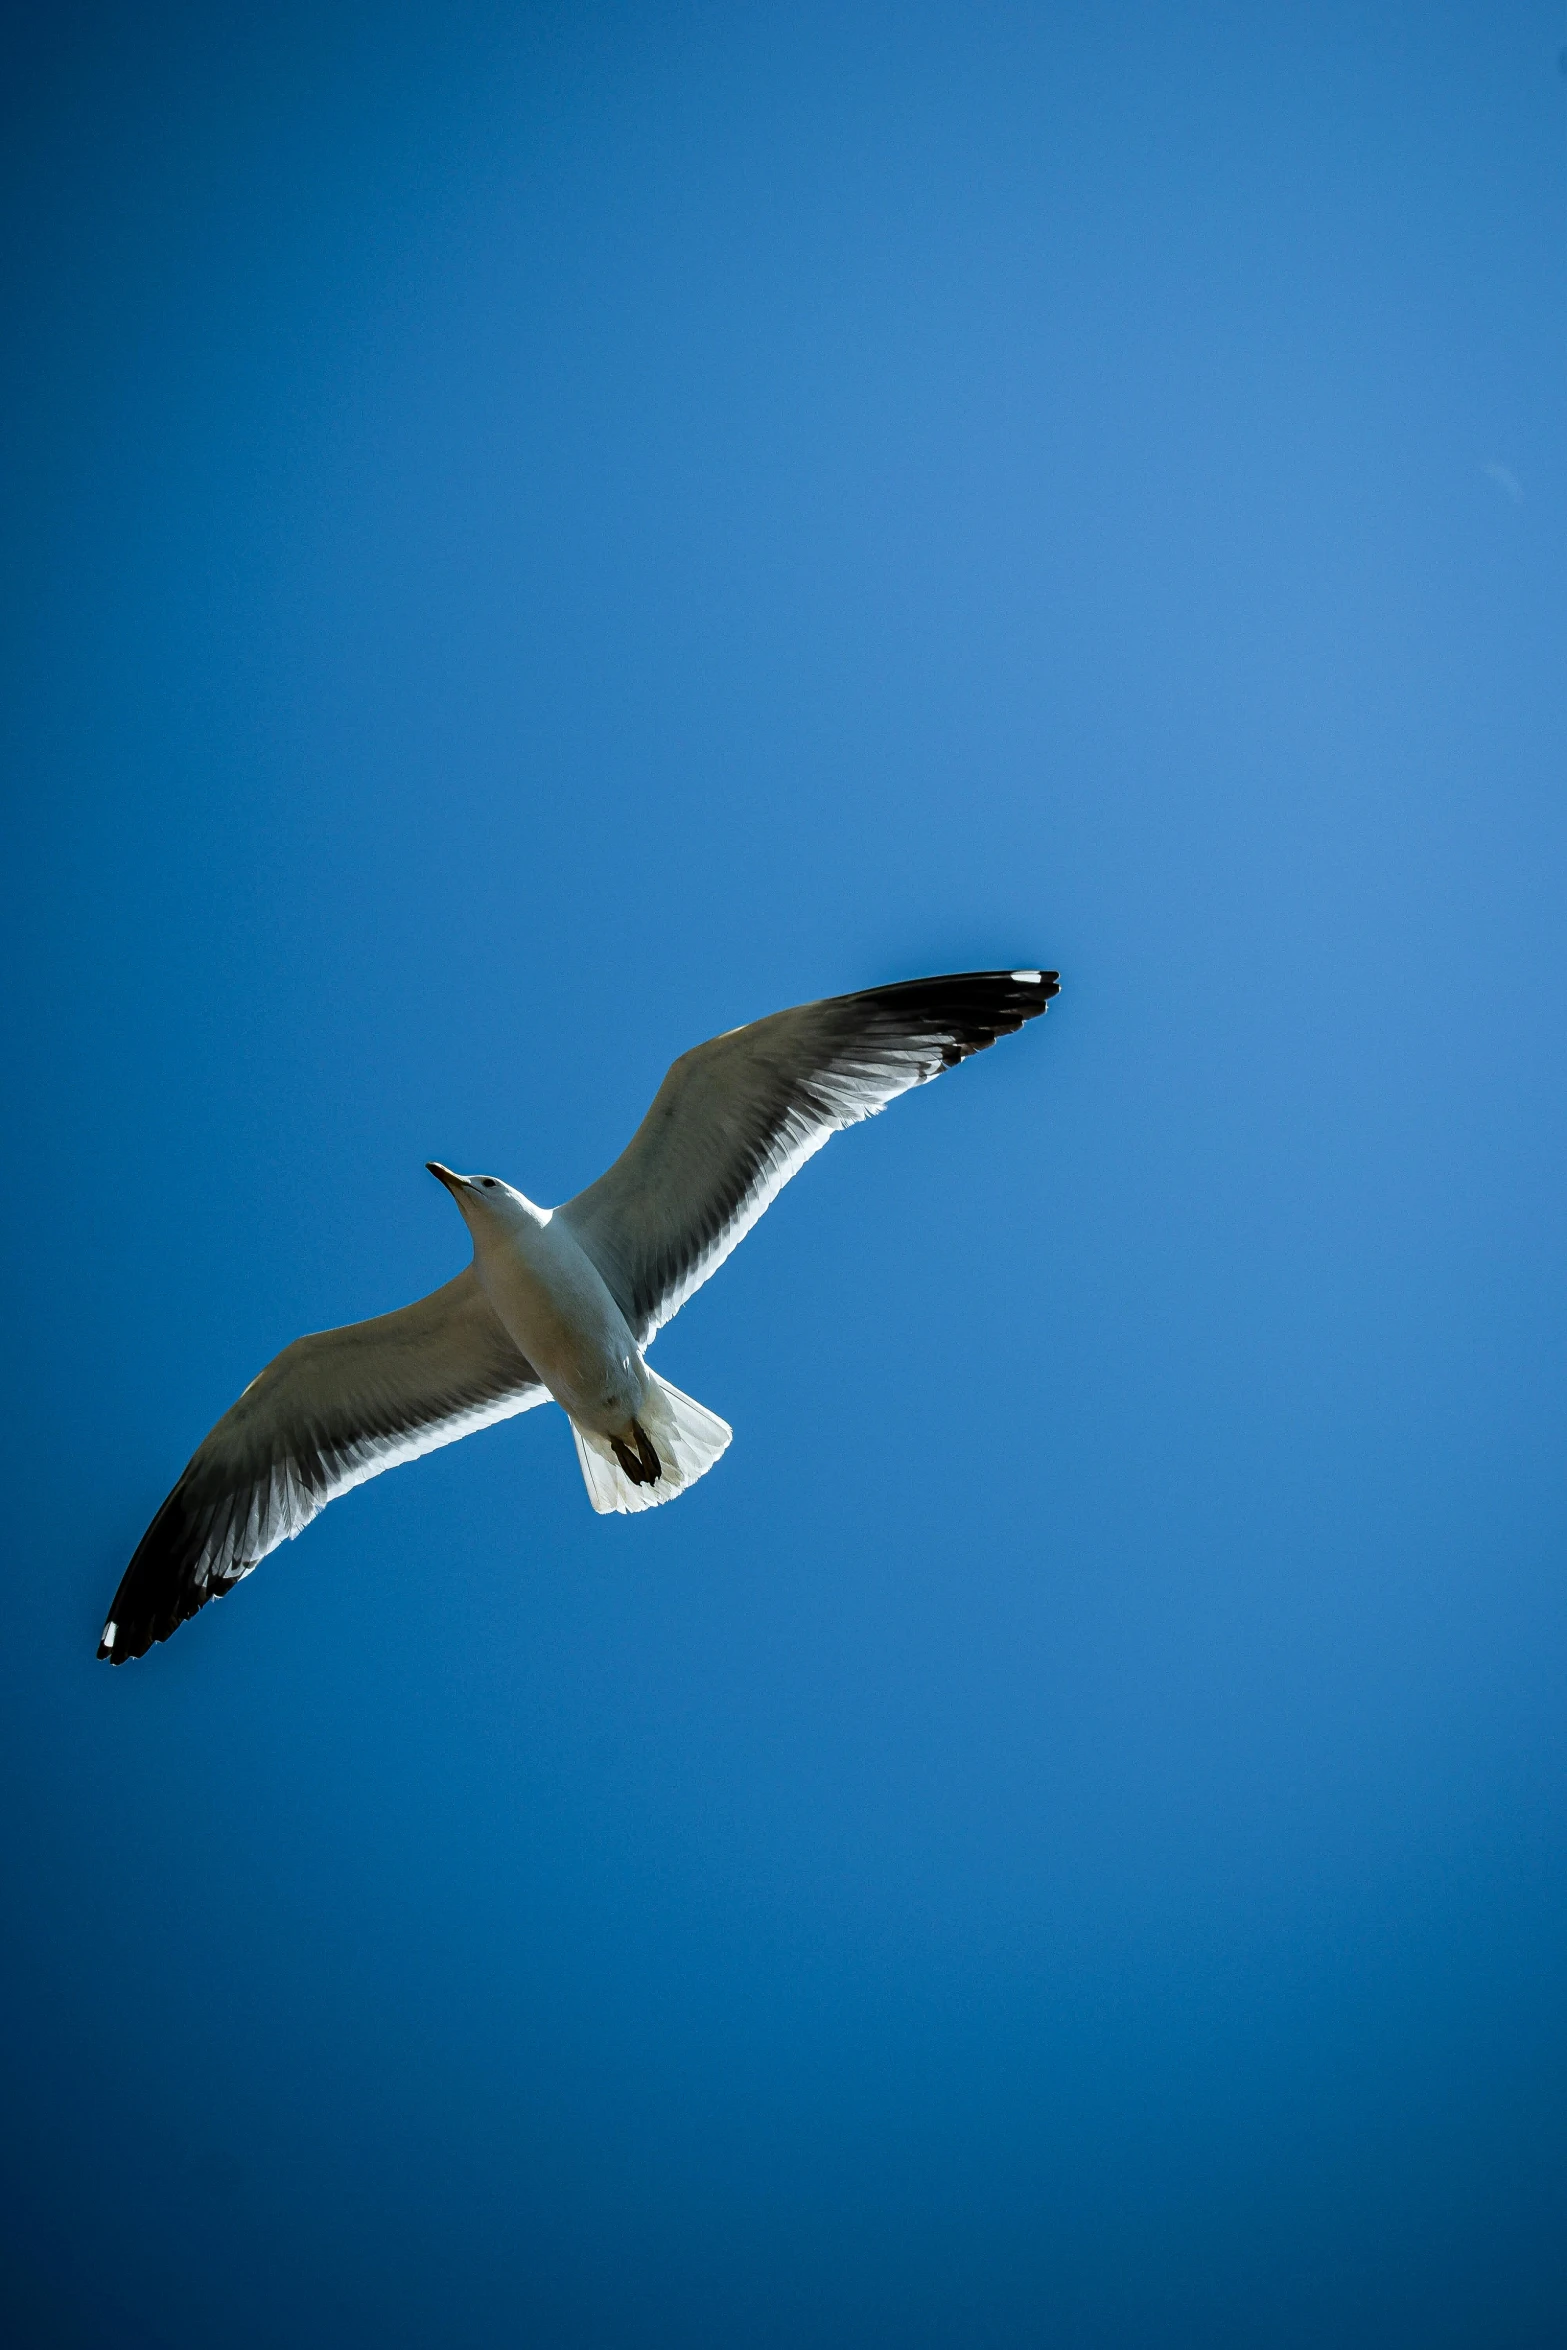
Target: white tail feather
687,1437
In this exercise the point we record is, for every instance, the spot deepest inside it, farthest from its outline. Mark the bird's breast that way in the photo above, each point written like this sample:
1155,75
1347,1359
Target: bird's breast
552,1302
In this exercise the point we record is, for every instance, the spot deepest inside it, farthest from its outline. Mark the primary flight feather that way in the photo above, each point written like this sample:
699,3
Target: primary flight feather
559,1302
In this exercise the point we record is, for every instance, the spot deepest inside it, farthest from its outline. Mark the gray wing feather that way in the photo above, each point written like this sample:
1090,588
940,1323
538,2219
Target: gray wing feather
326,1414
737,1117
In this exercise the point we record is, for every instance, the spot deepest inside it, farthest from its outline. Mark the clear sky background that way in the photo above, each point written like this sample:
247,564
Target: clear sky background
536,534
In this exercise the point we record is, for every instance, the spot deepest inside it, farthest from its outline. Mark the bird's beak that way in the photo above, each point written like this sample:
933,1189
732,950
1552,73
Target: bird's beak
453,1183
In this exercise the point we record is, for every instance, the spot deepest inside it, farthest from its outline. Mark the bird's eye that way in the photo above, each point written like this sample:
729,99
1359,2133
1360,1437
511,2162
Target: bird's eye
488,1182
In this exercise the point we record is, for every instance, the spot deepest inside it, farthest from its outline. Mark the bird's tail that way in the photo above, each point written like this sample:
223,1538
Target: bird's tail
680,1440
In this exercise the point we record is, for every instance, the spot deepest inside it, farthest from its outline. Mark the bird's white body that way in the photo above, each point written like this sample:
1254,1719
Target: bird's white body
554,1305
639,1440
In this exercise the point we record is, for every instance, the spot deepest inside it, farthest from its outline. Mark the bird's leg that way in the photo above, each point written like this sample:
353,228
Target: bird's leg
643,1465
647,1452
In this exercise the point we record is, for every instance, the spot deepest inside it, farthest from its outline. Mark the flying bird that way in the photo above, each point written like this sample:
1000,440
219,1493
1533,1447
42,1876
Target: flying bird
560,1302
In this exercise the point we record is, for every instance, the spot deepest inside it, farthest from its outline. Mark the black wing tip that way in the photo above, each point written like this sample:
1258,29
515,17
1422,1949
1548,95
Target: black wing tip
133,1633
158,1590
118,1642
967,1009
1030,984
1041,984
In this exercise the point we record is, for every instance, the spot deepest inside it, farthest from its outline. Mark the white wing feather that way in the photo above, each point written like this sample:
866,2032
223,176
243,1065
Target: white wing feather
735,1118
326,1414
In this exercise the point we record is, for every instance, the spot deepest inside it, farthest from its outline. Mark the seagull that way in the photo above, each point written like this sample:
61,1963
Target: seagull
559,1302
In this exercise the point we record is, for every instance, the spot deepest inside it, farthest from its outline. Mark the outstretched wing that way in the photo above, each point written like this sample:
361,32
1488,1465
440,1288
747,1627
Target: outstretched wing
735,1118
326,1414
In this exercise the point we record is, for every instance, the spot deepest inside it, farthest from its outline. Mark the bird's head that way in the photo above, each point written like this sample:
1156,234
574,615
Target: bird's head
486,1202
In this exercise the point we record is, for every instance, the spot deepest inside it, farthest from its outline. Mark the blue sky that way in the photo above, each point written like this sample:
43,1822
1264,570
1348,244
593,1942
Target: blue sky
534,535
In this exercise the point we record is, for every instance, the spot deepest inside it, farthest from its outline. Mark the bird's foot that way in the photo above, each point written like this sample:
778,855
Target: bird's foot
641,1465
